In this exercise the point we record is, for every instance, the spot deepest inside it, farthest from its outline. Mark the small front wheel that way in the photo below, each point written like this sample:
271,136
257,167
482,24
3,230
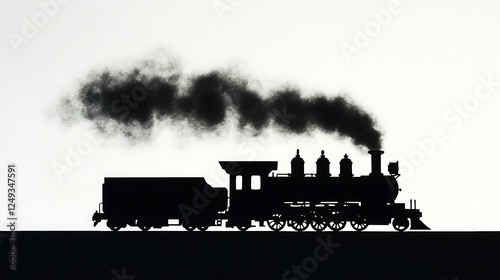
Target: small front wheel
400,224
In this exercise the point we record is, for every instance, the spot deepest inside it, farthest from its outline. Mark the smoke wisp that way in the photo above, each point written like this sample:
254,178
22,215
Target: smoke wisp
134,101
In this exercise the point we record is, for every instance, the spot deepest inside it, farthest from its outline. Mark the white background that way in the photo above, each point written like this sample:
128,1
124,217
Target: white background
429,57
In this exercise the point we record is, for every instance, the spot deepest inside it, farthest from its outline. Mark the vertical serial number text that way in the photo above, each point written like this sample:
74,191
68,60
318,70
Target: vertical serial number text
11,208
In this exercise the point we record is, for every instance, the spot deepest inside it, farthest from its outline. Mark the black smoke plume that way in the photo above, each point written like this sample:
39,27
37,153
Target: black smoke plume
134,101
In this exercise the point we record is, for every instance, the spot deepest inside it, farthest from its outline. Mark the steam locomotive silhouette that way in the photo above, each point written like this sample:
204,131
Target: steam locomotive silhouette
296,199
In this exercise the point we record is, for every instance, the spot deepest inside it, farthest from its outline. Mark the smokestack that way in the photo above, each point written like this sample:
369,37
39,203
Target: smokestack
376,162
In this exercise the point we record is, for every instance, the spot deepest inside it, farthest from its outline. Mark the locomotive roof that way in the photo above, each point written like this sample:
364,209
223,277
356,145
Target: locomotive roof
153,179
249,167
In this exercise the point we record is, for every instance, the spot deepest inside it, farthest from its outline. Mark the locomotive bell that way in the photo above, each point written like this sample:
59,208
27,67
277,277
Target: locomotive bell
345,167
323,166
297,166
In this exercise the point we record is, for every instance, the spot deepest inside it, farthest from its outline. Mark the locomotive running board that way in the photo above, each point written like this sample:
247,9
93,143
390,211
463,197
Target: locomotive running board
416,223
